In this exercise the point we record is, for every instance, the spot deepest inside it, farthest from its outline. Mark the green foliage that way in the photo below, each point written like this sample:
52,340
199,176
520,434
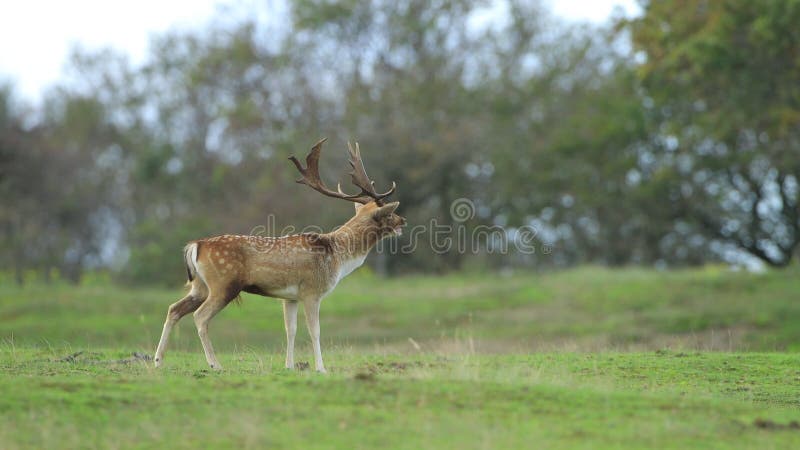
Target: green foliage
722,80
737,58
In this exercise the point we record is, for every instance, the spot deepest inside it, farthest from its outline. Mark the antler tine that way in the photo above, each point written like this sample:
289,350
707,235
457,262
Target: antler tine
311,178
387,193
311,162
359,176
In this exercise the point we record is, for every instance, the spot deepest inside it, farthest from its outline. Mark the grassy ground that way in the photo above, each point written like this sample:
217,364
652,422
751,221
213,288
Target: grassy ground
606,400
587,358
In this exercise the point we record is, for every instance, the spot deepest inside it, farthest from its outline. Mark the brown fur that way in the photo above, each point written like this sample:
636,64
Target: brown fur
310,261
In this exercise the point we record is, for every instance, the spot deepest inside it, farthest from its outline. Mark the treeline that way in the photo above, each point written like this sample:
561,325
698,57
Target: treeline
670,139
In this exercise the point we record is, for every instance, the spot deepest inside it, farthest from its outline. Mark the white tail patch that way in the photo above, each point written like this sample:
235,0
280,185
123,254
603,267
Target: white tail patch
193,253
190,253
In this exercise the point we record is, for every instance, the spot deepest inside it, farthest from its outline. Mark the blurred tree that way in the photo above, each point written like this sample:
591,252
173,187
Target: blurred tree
54,186
15,167
567,126
721,82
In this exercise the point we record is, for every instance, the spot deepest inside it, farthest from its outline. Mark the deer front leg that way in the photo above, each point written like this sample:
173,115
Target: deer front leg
290,323
311,308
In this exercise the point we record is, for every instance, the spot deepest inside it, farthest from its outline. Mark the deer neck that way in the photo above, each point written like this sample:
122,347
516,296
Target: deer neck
352,241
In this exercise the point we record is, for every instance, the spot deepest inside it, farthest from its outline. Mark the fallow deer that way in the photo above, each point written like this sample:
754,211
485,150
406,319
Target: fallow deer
296,268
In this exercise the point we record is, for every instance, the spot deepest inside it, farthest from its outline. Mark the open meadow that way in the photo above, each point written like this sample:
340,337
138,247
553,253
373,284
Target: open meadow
588,358
544,237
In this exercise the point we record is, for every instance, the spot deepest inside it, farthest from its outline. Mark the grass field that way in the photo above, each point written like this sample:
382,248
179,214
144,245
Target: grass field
587,358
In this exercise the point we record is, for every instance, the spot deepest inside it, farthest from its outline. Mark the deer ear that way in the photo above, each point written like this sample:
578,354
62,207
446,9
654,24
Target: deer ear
385,210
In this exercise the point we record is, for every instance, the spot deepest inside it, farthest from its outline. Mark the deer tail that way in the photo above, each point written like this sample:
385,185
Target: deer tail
190,258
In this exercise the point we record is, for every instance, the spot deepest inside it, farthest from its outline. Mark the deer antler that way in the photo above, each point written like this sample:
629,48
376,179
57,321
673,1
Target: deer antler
358,175
360,179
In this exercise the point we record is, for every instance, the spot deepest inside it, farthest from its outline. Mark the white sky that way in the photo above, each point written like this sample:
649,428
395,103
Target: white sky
36,35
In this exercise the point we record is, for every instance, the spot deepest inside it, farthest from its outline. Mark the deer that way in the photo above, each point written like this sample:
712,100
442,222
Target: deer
300,268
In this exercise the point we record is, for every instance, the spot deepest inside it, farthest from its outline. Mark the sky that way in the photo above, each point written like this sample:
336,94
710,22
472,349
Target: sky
36,35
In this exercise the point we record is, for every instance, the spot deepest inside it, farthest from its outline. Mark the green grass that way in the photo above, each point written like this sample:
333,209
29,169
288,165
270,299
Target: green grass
606,400
588,358
585,309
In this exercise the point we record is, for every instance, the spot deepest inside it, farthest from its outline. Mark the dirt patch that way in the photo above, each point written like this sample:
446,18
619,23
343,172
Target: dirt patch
94,358
70,358
135,356
389,367
767,424
364,376
66,387
396,366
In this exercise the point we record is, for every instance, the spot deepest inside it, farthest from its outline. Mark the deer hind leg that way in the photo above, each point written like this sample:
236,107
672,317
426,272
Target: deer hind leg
311,307
184,306
290,323
215,302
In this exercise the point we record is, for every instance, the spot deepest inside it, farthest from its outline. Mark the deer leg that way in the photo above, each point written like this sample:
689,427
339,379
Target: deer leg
213,304
176,310
290,323
311,308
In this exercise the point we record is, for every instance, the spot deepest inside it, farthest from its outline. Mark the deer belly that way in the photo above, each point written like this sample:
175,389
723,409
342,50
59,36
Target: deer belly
288,292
